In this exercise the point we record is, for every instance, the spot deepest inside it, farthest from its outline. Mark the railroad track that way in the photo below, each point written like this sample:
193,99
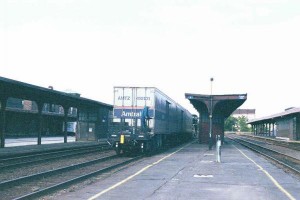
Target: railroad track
26,159
36,185
288,144
279,157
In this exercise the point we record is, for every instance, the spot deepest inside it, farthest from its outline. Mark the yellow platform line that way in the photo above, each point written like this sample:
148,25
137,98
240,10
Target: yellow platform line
132,176
269,176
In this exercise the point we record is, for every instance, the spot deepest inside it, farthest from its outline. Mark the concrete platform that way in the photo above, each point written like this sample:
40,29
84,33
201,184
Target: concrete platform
192,173
25,145
14,142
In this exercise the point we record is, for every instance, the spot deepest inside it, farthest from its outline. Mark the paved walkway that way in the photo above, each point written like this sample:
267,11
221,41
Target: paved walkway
13,142
192,173
30,145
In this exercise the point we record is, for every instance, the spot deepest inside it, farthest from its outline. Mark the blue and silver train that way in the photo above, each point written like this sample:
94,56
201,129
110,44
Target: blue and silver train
145,120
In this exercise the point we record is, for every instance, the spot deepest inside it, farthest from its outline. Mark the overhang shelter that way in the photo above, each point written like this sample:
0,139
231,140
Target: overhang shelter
283,125
215,108
92,117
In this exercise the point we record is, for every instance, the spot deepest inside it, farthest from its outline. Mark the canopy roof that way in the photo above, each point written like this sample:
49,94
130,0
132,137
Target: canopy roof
271,118
221,104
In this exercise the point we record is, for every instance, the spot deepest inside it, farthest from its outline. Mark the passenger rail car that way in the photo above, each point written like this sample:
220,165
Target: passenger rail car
145,120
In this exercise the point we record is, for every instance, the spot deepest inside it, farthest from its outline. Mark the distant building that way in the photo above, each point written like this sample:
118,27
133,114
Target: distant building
249,113
281,125
28,105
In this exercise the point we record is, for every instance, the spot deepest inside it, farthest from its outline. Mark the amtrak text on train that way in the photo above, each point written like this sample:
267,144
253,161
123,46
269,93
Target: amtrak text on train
130,114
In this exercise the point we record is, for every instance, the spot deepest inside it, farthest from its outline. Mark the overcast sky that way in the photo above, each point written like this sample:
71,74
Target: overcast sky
90,46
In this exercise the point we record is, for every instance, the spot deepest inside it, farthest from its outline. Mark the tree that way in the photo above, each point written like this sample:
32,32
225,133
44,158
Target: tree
242,122
236,124
230,124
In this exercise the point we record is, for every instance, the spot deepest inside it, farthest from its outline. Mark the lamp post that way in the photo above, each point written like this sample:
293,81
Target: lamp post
210,116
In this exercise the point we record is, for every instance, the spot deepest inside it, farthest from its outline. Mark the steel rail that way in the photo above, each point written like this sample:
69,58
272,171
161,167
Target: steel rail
25,163
74,180
9,183
245,143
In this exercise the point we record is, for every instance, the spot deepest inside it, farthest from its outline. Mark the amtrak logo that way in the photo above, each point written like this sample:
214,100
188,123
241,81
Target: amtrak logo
131,114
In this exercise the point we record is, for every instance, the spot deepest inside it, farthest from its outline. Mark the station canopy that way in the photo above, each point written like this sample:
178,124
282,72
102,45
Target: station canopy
221,104
272,118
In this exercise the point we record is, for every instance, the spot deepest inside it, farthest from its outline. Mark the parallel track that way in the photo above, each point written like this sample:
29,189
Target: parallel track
287,161
295,145
49,181
45,156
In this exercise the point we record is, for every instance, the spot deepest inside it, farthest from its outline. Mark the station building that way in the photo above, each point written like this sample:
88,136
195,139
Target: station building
248,113
31,111
285,125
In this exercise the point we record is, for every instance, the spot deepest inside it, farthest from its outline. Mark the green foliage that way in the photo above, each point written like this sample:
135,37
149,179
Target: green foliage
242,123
230,124
236,124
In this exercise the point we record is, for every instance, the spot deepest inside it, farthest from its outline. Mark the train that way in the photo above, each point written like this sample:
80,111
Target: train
145,120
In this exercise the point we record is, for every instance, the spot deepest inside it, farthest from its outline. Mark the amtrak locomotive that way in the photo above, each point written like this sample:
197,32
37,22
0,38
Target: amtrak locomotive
145,120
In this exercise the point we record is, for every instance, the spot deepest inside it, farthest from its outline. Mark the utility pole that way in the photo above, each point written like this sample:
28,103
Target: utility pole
210,116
